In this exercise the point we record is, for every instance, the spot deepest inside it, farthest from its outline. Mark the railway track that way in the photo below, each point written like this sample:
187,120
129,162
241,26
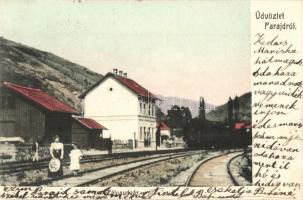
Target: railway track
229,171
26,166
16,167
89,177
214,171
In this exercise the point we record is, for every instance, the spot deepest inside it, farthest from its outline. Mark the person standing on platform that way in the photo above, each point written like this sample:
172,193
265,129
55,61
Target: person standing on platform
110,146
75,156
35,149
57,153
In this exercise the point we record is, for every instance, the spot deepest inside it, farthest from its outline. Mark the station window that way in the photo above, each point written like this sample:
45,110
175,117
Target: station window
144,108
140,107
149,113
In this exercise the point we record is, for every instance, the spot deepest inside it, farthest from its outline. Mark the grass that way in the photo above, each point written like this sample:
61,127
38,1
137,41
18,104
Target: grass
152,175
245,170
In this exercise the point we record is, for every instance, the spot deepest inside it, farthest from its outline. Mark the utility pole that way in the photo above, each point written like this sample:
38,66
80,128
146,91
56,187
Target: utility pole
158,134
134,145
158,131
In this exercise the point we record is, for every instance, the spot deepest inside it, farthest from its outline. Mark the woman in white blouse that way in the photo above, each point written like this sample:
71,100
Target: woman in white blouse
57,152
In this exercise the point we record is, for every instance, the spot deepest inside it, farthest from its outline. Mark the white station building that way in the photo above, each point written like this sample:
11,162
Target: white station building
124,107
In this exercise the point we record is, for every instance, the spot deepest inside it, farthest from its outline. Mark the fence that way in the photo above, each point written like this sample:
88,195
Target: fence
122,144
23,152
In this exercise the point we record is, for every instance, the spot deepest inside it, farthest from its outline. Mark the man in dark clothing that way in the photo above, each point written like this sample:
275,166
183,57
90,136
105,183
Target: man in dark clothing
110,146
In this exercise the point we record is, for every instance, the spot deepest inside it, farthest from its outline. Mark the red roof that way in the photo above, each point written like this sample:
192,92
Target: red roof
240,125
135,87
129,83
41,98
163,126
90,124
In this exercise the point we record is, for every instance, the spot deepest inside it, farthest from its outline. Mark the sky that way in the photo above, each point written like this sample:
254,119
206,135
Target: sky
180,48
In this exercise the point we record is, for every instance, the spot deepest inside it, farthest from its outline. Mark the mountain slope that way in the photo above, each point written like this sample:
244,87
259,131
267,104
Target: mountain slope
65,80
168,102
220,114
27,66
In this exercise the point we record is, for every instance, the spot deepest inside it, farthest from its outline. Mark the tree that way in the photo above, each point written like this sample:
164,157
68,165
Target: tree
174,119
230,110
178,119
236,107
186,116
202,109
192,133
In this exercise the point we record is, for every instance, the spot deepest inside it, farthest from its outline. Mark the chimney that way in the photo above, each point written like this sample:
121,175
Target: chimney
120,72
125,74
115,70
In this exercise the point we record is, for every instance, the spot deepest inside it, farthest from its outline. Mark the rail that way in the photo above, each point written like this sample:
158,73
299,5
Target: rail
49,181
27,166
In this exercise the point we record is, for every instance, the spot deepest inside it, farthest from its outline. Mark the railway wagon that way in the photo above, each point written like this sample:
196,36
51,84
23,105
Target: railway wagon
217,135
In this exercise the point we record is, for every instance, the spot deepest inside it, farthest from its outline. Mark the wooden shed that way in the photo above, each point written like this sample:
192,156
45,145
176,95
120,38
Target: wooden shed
87,133
32,114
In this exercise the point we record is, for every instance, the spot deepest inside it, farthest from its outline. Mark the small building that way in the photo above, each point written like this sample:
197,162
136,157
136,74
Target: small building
125,107
87,133
164,131
33,115
242,127
242,133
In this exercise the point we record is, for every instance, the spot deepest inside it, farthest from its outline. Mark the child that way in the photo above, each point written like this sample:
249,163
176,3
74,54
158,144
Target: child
75,156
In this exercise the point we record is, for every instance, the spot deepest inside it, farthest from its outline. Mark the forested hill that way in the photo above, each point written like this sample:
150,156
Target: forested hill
27,66
220,114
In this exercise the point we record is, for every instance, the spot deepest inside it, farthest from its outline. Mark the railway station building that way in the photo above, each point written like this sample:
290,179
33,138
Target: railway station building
124,107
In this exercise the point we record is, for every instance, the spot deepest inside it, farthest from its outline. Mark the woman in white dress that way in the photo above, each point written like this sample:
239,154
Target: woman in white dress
75,156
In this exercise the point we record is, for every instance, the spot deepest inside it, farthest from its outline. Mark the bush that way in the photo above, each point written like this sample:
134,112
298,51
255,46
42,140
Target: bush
164,179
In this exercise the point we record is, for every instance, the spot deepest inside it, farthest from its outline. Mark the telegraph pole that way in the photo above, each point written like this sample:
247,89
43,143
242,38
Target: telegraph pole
158,131
158,134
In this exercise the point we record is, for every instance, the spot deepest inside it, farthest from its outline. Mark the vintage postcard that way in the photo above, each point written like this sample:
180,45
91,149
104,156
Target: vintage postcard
151,99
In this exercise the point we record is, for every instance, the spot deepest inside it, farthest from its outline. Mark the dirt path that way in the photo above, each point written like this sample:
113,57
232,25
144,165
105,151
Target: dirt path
213,172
